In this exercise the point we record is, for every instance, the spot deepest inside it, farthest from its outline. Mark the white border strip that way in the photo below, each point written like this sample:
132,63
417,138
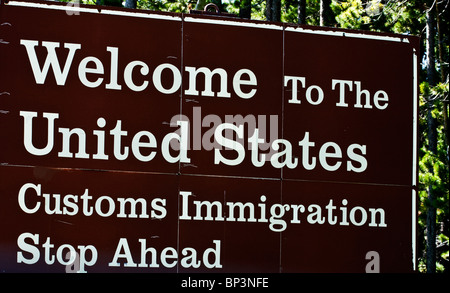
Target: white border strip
104,10
347,34
413,200
415,98
70,8
189,18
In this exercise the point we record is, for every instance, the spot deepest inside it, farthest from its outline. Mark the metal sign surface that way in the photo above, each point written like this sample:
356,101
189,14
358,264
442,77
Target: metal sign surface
138,141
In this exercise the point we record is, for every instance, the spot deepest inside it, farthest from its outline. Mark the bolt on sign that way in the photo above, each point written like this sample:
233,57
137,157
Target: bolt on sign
136,141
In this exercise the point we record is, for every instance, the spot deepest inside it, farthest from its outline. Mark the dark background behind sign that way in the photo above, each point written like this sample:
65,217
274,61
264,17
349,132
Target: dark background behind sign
184,40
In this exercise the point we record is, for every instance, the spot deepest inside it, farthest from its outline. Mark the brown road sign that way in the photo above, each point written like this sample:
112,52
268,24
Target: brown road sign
137,141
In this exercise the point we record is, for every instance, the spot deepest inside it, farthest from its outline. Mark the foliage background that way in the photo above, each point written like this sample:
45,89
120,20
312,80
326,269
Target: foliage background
402,17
